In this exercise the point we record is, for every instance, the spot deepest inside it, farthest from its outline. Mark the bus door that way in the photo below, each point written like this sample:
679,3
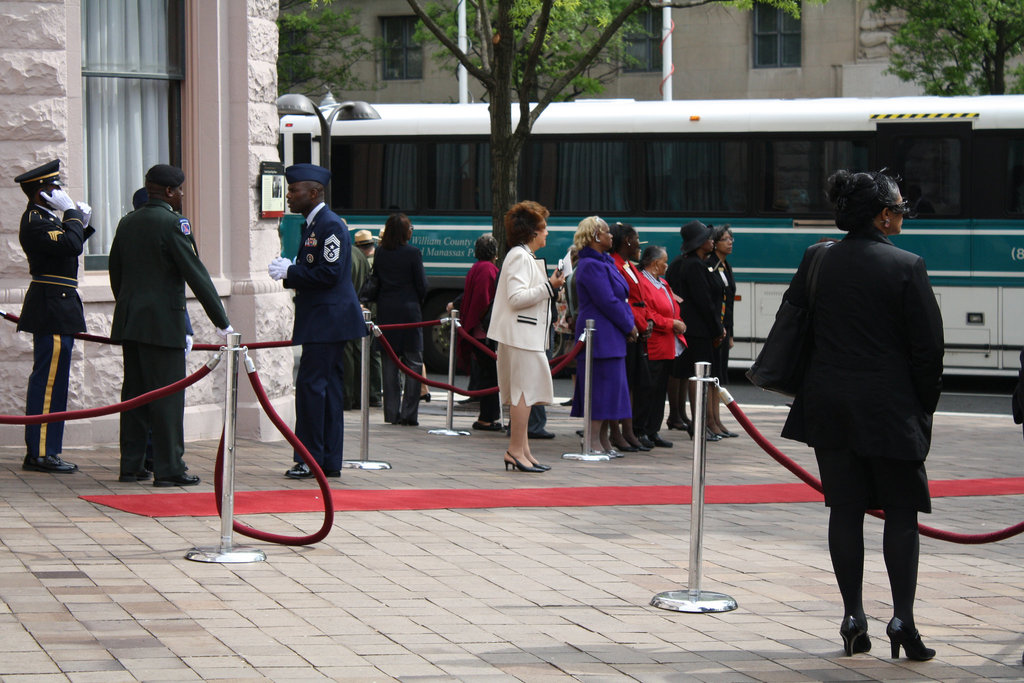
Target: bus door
934,160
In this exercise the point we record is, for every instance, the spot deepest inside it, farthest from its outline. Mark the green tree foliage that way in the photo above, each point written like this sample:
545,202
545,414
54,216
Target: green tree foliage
529,53
959,47
319,47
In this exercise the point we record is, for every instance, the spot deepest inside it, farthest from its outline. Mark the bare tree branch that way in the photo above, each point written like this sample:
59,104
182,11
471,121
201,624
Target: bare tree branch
484,77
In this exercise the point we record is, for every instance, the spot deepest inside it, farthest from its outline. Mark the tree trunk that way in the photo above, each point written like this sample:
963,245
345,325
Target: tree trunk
504,150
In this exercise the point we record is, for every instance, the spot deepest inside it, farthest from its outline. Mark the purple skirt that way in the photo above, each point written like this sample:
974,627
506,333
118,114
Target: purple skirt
610,397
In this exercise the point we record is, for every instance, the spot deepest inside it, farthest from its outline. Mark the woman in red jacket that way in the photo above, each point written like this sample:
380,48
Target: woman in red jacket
665,343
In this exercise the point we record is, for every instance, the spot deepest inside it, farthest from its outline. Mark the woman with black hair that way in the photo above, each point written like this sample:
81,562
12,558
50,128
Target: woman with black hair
872,383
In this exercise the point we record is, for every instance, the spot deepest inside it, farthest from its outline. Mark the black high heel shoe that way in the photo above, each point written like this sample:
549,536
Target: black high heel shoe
910,639
512,463
855,636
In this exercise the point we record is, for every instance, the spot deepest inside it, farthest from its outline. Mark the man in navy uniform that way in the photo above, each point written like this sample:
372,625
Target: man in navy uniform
327,314
152,256
53,234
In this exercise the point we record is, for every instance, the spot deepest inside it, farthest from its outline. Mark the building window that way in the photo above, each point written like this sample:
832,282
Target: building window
643,48
132,68
403,56
776,38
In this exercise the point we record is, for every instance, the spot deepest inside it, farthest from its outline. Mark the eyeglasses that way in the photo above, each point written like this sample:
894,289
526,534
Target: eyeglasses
901,208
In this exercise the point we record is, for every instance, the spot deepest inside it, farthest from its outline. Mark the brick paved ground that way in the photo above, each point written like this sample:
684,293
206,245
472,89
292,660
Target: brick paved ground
88,593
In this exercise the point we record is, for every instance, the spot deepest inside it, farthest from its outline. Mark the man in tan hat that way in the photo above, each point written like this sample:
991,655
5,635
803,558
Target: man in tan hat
363,246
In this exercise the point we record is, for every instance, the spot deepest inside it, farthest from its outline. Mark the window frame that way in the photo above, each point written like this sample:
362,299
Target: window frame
781,33
649,40
407,45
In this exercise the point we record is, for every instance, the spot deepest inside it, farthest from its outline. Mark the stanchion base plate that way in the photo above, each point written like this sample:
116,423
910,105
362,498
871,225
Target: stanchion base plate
365,465
232,555
448,432
586,457
695,601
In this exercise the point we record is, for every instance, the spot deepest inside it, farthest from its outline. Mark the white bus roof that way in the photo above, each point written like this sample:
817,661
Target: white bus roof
685,116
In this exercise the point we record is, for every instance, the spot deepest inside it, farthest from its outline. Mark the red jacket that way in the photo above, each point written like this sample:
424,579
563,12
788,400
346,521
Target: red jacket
663,309
637,302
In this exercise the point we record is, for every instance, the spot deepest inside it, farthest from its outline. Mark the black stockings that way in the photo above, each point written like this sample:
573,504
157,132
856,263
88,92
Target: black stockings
900,547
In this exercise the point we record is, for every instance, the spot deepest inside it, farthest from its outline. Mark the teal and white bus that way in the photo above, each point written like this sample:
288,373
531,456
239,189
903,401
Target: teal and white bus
759,165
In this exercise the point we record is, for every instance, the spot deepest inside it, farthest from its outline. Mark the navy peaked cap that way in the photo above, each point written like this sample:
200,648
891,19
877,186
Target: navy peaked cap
165,175
299,172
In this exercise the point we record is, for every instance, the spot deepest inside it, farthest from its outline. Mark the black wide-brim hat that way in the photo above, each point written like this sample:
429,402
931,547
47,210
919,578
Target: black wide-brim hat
694,234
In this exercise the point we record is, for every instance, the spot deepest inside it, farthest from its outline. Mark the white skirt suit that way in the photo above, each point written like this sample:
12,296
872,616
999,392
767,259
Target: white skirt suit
521,325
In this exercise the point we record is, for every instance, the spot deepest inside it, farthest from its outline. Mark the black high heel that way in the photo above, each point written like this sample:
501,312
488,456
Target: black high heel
511,462
855,636
910,639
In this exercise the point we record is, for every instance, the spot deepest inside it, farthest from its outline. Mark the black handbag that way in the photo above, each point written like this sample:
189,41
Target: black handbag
370,289
782,362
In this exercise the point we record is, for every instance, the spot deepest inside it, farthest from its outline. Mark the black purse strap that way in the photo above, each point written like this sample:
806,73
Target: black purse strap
813,271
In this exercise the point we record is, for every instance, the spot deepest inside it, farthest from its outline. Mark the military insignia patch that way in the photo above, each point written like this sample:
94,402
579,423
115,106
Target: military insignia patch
186,228
309,258
55,235
332,249
311,241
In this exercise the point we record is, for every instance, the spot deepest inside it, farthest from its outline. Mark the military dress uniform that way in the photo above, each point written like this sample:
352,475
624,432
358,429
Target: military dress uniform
52,313
327,314
152,256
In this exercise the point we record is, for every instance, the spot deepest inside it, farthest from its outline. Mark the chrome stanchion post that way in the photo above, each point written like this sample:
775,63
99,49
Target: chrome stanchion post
364,463
694,599
453,339
585,453
226,552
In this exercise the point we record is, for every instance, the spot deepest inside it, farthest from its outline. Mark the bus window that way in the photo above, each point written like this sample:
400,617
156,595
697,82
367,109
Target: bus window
699,176
461,178
374,176
931,172
1015,172
302,148
588,177
795,172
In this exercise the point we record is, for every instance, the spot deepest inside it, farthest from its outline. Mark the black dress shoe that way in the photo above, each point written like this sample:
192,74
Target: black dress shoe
135,476
376,403
488,426
299,471
180,480
542,434
409,422
711,436
333,474
48,463
658,441
645,442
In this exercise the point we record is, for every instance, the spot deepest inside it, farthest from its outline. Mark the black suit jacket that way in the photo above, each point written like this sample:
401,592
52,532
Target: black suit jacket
875,373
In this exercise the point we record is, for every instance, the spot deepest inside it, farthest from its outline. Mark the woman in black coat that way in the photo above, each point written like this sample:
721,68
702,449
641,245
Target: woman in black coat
866,403
403,284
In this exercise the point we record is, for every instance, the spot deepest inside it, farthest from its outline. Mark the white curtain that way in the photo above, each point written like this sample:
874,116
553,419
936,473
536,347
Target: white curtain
126,88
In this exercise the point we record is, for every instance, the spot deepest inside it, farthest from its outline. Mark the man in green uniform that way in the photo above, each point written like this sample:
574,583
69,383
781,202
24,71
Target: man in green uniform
152,257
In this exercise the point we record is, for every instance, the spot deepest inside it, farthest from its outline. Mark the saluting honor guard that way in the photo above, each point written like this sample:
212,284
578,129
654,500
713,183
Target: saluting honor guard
53,233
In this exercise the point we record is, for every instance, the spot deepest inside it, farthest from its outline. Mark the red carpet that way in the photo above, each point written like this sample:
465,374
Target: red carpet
257,502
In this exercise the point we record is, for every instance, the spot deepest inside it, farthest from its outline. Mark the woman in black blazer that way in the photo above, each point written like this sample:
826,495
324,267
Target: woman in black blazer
872,383
403,284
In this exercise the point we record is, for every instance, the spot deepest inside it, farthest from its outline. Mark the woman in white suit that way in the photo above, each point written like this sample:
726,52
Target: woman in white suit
520,324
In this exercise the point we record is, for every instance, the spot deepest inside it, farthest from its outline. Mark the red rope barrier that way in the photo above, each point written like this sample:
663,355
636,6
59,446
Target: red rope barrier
561,361
429,382
814,483
123,406
483,348
289,435
403,326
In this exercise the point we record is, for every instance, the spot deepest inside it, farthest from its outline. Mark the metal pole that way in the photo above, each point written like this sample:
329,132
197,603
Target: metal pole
694,599
585,453
453,338
463,45
364,463
667,66
225,552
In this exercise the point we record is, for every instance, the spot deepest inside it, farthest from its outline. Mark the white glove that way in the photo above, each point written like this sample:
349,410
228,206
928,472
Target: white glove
278,268
86,213
226,331
188,343
58,199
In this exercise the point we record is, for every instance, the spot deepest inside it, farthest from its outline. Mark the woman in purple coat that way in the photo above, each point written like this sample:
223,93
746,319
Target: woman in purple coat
602,296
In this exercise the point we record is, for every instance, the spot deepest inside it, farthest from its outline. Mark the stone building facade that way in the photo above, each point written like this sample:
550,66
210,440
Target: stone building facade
843,52
228,124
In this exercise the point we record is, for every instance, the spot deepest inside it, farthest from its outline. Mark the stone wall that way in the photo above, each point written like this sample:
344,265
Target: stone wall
876,30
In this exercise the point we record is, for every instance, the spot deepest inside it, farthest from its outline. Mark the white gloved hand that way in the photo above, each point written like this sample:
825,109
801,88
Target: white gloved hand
58,199
278,268
226,331
86,213
188,343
